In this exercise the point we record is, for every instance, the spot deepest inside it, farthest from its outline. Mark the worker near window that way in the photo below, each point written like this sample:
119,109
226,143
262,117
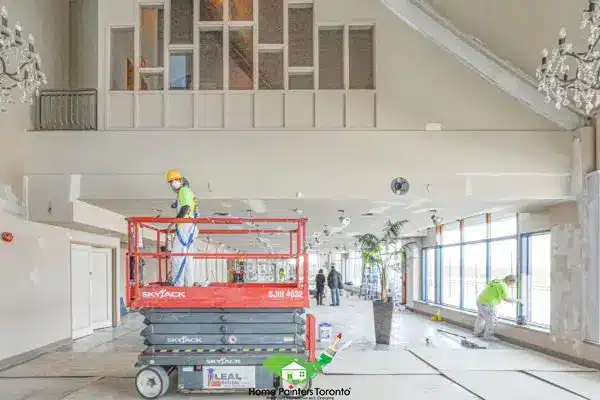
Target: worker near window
334,281
182,266
495,292
320,283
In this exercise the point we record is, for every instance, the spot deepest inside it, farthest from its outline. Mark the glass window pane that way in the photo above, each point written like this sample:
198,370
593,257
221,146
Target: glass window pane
301,82
182,21
270,70
270,21
181,70
361,64
451,233
150,81
241,60
451,276
503,260
121,59
241,10
474,228
211,60
474,261
211,10
540,256
300,28
151,37
430,260
331,58
503,226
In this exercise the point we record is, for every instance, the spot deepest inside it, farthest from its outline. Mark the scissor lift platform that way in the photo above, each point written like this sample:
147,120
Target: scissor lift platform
217,338
202,345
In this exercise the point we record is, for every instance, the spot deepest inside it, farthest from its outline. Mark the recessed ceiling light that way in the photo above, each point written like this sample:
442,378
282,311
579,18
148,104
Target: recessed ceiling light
433,126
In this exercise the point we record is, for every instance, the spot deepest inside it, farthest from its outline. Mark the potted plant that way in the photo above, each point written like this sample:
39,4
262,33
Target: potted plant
383,254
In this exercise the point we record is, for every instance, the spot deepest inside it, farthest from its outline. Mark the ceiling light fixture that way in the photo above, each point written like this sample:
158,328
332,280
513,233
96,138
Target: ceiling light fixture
436,219
583,86
345,221
15,53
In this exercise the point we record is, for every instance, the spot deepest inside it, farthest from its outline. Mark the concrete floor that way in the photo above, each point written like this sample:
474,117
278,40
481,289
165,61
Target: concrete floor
100,366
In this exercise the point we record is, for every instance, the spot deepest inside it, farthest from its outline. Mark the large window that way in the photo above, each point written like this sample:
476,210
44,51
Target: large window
475,264
503,225
474,228
429,263
482,248
451,233
503,261
539,254
451,276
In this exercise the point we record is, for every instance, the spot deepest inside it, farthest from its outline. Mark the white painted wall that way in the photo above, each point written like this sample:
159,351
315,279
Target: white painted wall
45,19
36,304
348,163
84,44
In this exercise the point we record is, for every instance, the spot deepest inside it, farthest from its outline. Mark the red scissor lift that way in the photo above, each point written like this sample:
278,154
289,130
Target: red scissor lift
217,337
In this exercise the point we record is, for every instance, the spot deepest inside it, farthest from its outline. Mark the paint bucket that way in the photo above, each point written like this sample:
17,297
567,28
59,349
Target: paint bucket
325,332
520,320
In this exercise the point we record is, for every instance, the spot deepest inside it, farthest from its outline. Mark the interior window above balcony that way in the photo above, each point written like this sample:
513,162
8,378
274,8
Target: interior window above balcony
152,25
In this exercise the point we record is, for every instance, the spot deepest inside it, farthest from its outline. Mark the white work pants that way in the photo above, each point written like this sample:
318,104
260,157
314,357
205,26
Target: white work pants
182,267
486,320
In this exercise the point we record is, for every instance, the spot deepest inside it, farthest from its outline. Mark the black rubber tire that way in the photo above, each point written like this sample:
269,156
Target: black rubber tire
162,379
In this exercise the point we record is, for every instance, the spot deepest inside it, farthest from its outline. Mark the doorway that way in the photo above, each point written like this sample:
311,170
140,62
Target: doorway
91,289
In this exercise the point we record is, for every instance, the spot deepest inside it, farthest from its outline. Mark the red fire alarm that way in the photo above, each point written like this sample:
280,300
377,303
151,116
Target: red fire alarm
7,237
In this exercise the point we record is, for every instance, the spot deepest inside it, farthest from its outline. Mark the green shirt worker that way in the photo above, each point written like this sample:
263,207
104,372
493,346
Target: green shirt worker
495,292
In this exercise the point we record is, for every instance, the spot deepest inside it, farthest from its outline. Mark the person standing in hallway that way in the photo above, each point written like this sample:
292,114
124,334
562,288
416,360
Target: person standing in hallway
320,283
495,292
334,281
182,266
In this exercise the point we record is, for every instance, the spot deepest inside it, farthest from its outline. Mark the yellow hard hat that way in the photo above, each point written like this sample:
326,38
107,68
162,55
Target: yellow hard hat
173,175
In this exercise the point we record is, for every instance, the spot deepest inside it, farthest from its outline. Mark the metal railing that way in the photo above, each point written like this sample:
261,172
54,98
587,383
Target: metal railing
63,110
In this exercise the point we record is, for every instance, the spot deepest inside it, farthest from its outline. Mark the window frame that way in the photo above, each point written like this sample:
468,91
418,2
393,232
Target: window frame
522,268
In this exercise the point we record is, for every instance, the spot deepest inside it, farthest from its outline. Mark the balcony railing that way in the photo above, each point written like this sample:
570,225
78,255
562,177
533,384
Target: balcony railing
62,110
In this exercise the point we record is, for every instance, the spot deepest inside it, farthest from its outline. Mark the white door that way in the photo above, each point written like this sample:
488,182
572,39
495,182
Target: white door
81,291
101,288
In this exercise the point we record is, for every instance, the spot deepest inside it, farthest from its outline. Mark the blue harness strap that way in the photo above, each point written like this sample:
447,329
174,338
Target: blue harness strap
186,245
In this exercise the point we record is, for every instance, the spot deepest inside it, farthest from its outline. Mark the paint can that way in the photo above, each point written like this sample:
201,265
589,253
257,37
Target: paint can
520,320
325,332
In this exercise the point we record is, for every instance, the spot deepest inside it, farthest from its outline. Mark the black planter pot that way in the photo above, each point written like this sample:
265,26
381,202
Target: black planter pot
382,313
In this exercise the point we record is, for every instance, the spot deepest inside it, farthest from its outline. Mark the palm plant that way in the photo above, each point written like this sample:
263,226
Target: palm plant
384,253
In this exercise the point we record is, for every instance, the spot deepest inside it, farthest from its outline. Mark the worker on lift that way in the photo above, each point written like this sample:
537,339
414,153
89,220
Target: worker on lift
182,267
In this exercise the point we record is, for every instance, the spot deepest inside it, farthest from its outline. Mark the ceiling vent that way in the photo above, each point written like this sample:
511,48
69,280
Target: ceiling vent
222,214
367,214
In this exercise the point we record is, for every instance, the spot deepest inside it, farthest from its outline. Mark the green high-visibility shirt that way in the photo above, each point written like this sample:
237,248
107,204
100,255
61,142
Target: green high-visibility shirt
494,293
185,197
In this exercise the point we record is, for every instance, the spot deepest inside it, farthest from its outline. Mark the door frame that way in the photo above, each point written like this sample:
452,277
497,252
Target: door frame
109,287
88,330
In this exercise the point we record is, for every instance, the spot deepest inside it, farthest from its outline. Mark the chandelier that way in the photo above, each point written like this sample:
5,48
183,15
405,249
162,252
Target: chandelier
555,74
19,65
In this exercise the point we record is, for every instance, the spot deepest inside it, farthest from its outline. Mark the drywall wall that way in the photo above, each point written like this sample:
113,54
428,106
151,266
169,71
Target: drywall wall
35,299
45,19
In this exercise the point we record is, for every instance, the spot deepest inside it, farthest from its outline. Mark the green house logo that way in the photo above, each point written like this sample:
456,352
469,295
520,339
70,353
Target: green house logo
293,370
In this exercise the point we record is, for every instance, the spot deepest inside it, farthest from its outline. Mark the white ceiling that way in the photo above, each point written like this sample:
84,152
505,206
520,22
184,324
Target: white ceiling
516,30
321,213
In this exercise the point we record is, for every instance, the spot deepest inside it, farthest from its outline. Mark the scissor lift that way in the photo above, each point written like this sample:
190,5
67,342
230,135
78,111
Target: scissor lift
216,338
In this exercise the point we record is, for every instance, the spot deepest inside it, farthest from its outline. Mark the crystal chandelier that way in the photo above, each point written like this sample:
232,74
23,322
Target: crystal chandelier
554,74
19,64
